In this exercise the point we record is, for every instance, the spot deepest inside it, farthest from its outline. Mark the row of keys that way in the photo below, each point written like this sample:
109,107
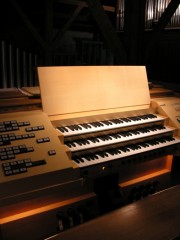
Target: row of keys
10,152
13,125
35,128
118,137
124,151
43,140
5,139
20,166
90,127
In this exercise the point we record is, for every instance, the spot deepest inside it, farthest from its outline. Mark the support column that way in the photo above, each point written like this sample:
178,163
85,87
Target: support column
134,22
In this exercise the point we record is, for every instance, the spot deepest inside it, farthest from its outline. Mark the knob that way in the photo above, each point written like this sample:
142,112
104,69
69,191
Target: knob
74,218
62,221
84,213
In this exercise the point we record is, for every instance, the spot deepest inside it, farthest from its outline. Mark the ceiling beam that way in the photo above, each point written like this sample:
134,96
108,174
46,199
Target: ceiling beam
48,55
49,21
161,24
78,2
134,22
104,24
29,25
59,37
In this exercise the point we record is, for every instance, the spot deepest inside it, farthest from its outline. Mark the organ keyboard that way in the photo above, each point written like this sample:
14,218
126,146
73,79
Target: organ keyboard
98,133
106,117
104,125
124,151
115,137
125,135
122,130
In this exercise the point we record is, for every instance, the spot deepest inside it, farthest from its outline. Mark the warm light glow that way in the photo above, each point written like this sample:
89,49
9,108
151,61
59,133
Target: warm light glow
143,178
44,209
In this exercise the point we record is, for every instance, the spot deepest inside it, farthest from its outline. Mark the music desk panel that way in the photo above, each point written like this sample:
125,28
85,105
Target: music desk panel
155,217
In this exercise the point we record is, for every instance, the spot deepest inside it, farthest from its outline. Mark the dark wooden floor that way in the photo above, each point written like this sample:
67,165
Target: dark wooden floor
156,217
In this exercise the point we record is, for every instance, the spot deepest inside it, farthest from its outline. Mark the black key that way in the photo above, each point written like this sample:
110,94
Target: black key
85,125
63,129
125,120
106,122
116,121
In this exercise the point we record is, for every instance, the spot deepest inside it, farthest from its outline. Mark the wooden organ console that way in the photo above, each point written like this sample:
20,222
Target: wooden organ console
99,143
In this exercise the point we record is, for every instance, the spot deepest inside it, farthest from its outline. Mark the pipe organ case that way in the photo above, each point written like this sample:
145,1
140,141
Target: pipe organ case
98,143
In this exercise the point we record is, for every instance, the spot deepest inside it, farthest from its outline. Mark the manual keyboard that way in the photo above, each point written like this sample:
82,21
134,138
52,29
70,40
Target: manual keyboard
96,126
101,156
118,137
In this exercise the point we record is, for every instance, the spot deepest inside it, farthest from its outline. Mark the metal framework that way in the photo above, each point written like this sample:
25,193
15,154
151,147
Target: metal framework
154,10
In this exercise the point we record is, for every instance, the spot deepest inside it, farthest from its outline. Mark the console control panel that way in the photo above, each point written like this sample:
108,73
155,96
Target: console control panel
30,147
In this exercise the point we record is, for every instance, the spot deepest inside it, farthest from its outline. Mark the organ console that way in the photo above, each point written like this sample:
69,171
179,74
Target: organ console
98,143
